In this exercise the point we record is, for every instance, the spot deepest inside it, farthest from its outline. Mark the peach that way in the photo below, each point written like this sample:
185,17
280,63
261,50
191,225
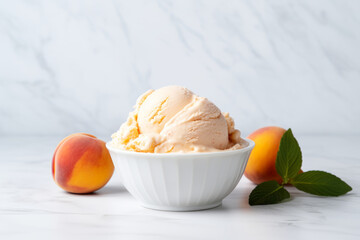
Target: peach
81,164
261,163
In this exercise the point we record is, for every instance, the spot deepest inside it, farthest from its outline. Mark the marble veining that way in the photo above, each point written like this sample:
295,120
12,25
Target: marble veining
71,66
33,207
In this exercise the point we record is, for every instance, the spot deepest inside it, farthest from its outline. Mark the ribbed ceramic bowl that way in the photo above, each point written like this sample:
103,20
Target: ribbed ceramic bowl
181,181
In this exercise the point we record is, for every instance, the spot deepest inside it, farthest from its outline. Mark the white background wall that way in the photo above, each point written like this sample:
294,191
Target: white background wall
78,66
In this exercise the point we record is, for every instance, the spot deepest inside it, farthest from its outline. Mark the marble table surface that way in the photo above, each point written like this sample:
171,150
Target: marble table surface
33,207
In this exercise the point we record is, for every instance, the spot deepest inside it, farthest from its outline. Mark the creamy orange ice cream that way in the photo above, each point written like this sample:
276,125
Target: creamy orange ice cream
173,119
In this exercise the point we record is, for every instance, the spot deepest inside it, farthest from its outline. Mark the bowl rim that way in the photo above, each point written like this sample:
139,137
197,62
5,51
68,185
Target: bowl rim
250,146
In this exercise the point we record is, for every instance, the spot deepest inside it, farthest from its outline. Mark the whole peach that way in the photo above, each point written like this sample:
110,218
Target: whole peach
81,164
261,163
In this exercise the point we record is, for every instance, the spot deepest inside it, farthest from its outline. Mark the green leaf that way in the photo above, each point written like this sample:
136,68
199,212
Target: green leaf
269,192
320,183
288,159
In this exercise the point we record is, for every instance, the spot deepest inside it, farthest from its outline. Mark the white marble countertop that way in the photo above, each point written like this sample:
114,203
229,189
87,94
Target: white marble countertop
33,207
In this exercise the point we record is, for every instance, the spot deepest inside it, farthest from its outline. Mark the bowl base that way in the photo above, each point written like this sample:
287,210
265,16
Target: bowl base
181,209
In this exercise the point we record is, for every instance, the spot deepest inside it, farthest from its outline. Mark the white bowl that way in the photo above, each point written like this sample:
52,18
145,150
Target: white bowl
181,181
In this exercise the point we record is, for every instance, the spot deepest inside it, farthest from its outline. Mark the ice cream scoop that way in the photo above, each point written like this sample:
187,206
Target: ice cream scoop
173,119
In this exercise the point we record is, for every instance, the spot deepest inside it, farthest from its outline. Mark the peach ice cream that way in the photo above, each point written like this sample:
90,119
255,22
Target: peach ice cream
173,119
